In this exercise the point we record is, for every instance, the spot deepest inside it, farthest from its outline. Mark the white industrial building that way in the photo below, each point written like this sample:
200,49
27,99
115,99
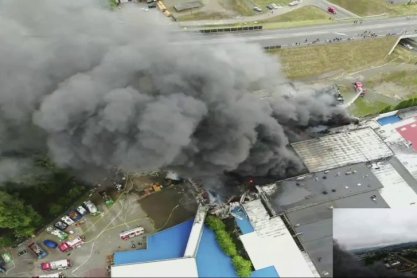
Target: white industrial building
183,267
271,244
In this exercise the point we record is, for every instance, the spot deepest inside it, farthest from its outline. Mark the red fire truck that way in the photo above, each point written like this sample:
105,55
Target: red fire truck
132,233
71,244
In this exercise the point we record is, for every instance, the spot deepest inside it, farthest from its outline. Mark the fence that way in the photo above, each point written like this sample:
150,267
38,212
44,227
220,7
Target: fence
272,47
232,29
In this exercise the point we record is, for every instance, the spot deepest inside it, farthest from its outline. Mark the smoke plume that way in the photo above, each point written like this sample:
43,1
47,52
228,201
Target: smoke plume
347,265
100,88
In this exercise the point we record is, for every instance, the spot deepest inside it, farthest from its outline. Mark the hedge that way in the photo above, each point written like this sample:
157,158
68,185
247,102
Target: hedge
403,104
242,266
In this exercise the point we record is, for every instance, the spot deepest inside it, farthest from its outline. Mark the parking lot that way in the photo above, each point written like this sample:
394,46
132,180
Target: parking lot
102,231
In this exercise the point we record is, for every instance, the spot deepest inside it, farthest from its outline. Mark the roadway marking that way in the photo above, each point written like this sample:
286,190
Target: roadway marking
340,34
89,256
169,217
112,220
93,240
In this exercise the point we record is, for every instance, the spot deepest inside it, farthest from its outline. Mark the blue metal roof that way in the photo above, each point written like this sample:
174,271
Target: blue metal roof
167,244
211,260
171,243
269,271
389,120
243,223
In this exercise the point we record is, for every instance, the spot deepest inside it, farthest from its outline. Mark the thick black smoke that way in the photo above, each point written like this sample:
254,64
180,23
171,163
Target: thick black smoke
347,265
100,88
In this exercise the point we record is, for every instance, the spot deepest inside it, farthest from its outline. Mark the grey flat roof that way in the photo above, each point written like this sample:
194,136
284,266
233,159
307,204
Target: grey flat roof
323,187
315,225
340,149
309,211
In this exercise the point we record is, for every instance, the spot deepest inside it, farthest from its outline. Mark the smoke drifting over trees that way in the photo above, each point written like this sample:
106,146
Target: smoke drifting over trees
100,88
346,265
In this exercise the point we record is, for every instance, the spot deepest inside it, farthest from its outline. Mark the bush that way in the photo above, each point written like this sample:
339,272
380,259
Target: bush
243,267
403,104
226,243
386,109
215,223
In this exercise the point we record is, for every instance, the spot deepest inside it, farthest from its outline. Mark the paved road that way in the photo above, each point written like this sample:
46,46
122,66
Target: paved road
321,4
288,37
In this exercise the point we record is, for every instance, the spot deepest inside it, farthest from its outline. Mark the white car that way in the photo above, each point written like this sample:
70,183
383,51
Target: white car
82,210
257,9
408,46
90,206
294,3
60,234
67,220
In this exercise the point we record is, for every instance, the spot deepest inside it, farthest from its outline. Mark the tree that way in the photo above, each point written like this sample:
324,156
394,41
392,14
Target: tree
17,217
55,209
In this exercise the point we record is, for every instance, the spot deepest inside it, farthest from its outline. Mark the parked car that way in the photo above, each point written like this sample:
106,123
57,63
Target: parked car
37,250
56,232
81,210
61,225
257,9
331,10
67,220
50,243
74,215
408,46
90,207
2,265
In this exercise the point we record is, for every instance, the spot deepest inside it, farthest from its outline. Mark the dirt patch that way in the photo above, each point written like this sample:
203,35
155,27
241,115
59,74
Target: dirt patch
170,206
138,183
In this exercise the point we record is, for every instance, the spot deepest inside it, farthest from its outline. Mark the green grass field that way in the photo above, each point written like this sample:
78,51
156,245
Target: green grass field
197,15
313,61
301,14
241,7
405,79
375,7
263,3
402,55
363,107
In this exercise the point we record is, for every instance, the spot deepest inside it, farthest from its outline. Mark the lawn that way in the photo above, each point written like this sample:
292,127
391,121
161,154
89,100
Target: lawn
313,61
263,3
242,7
375,7
304,16
405,79
363,107
198,15
301,14
402,55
